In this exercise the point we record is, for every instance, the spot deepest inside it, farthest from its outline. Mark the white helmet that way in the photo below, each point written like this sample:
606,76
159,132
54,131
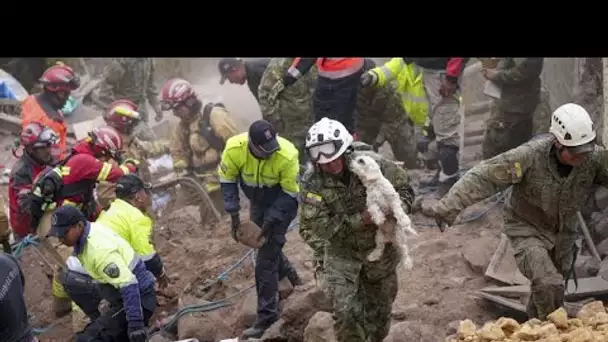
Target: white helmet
327,140
572,126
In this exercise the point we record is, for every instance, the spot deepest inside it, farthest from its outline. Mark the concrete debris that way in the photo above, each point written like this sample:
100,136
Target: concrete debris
590,325
413,331
320,328
479,253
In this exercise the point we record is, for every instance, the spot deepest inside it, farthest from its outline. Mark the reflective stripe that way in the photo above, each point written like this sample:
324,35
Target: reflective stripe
334,74
292,194
294,72
63,171
229,181
125,169
148,257
104,172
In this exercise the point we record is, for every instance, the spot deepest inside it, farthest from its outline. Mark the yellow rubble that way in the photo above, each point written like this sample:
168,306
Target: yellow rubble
591,325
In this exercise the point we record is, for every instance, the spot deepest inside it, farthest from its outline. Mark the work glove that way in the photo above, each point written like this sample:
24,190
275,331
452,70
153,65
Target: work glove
368,78
130,161
138,335
289,80
235,223
443,218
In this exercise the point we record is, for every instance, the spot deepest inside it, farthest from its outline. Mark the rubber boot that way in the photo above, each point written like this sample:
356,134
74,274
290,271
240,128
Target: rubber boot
253,332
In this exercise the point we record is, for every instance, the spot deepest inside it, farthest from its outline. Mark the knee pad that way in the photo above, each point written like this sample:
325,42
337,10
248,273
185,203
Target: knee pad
448,157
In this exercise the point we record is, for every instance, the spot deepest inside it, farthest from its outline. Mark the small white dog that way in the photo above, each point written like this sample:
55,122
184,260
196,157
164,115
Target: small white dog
382,199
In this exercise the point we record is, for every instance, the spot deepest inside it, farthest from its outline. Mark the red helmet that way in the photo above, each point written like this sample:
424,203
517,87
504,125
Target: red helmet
105,141
59,78
176,91
36,134
122,115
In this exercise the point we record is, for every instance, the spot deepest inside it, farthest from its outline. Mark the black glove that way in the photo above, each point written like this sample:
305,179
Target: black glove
235,223
366,79
289,80
267,227
138,335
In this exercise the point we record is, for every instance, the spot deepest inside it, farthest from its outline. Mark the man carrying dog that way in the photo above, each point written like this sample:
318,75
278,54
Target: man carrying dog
335,223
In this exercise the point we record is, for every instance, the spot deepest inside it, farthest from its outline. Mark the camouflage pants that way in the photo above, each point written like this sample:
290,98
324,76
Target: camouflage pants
545,269
362,299
505,131
399,134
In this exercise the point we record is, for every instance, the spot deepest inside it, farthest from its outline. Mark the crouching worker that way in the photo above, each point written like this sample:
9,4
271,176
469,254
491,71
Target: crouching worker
334,221
127,217
123,278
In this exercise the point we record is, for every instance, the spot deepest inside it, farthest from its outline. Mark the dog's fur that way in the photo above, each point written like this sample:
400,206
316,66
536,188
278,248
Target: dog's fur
383,199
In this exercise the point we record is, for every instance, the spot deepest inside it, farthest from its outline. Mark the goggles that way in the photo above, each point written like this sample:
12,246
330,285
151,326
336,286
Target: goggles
46,138
326,150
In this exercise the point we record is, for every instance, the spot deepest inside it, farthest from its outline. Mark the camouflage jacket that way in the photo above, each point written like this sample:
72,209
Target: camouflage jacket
519,81
288,109
130,78
542,203
190,148
330,218
378,106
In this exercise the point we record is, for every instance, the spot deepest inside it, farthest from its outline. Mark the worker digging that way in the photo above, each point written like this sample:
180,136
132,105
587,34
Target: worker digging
216,224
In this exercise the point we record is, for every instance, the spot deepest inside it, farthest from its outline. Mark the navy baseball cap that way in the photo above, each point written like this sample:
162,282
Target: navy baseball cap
226,65
129,185
263,135
63,218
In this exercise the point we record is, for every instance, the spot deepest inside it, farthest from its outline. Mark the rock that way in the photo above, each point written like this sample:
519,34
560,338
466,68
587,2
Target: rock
589,311
285,288
490,332
206,327
466,329
320,328
413,331
398,315
559,317
452,328
548,330
479,252
527,332
275,332
247,313
508,325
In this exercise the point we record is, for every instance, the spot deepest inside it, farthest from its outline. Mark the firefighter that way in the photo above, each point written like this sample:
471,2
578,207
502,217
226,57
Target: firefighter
124,280
266,167
72,182
199,138
123,116
58,82
35,144
337,86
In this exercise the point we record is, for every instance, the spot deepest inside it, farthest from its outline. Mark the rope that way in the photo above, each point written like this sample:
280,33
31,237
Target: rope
29,240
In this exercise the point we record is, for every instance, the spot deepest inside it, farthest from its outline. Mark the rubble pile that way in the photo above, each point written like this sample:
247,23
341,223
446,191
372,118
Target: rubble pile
591,325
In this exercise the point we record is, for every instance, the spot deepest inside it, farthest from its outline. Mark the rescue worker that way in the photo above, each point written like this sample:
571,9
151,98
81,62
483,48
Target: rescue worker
199,138
334,221
380,117
58,81
133,79
550,178
72,182
266,167
288,109
127,217
512,115
35,143
437,78
124,280
238,71
14,320
123,116
336,88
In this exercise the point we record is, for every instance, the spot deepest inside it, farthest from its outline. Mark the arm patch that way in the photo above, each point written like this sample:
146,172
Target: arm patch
112,270
312,198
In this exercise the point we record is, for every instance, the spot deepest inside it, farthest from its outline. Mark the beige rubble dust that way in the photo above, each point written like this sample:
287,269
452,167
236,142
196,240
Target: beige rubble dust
591,325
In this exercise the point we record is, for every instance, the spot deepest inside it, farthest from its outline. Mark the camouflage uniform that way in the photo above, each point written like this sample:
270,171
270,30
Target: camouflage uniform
511,118
289,109
540,213
132,79
362,292
379,111
139,150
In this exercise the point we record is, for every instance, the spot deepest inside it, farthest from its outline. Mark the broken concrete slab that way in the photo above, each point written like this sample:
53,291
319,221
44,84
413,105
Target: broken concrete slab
503,267
510,303
478,254
587,287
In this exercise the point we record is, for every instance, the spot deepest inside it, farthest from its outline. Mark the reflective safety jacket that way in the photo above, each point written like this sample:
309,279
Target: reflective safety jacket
23,173
329,67
269,184
73,182
136,228
110,260
409,86
36,108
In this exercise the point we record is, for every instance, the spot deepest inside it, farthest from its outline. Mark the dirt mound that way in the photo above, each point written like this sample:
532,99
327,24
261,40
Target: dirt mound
591,324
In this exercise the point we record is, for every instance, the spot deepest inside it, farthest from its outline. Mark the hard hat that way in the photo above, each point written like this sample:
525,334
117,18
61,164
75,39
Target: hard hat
573,128
327,140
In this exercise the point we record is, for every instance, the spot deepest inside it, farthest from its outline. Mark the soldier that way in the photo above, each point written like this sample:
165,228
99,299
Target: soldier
511,120
379,112
288,109
237,71
335,223
123,116
133,79
550,179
